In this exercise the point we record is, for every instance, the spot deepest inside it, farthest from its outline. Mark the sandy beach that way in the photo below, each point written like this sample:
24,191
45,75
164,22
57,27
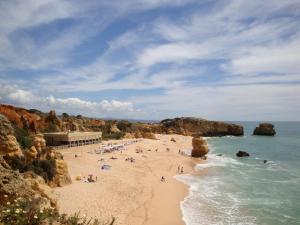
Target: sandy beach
132,192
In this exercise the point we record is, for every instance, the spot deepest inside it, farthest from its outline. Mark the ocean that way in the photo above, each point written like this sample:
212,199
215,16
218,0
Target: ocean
247,191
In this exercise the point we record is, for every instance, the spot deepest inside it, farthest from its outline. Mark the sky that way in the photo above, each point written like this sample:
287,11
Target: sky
153,59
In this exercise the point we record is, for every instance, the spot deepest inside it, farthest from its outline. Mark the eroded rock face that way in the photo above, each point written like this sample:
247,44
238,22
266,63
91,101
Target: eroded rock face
200,147
62,176
39,186
200,127
9,145
22,118
30,154
39,142
54,120
114,129
15,184
266,129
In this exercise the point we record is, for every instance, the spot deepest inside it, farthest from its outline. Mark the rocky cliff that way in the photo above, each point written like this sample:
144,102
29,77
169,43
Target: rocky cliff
200,127
34,121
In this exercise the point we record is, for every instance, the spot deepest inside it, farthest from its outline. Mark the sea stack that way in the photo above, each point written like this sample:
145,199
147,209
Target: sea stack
266,129
200,147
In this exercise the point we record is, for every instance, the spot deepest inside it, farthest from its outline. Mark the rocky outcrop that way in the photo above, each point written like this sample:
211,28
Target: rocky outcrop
39,186
62,176
242,154
200,147
199,127
30,154
39,142
9,146
53,121
114,129
14,184
266,129
22,118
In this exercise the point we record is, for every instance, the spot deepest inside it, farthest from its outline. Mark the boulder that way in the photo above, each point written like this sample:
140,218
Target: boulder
200,147
266,129
242,154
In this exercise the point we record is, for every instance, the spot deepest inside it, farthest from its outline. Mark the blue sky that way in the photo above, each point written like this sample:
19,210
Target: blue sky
153,59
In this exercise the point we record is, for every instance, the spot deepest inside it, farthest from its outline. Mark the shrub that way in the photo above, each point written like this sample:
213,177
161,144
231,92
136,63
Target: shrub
51,128
124,126
43,168
23,211
65,115
23,137
108,135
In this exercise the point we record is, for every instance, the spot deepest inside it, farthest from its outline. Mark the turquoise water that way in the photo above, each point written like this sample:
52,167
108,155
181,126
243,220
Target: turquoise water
235,190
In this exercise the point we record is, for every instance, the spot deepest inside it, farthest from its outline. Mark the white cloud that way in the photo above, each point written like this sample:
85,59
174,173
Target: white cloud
241,48
235,103
23,98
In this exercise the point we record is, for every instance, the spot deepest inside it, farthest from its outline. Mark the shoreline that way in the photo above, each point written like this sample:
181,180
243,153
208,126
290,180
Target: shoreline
131,192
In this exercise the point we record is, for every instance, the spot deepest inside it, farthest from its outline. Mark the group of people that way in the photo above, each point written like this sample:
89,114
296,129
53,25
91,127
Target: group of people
180,152
180,169
130,159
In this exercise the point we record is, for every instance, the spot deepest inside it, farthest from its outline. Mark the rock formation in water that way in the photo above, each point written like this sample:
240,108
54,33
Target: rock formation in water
242,154
266,129
200,147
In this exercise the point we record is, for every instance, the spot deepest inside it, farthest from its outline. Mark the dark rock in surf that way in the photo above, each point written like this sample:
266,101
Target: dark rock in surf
242,154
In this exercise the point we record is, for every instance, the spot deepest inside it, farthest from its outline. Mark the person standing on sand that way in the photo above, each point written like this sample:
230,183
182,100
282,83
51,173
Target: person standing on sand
178,169
181,169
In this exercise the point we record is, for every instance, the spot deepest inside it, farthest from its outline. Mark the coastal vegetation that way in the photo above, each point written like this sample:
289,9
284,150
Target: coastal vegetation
28,211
